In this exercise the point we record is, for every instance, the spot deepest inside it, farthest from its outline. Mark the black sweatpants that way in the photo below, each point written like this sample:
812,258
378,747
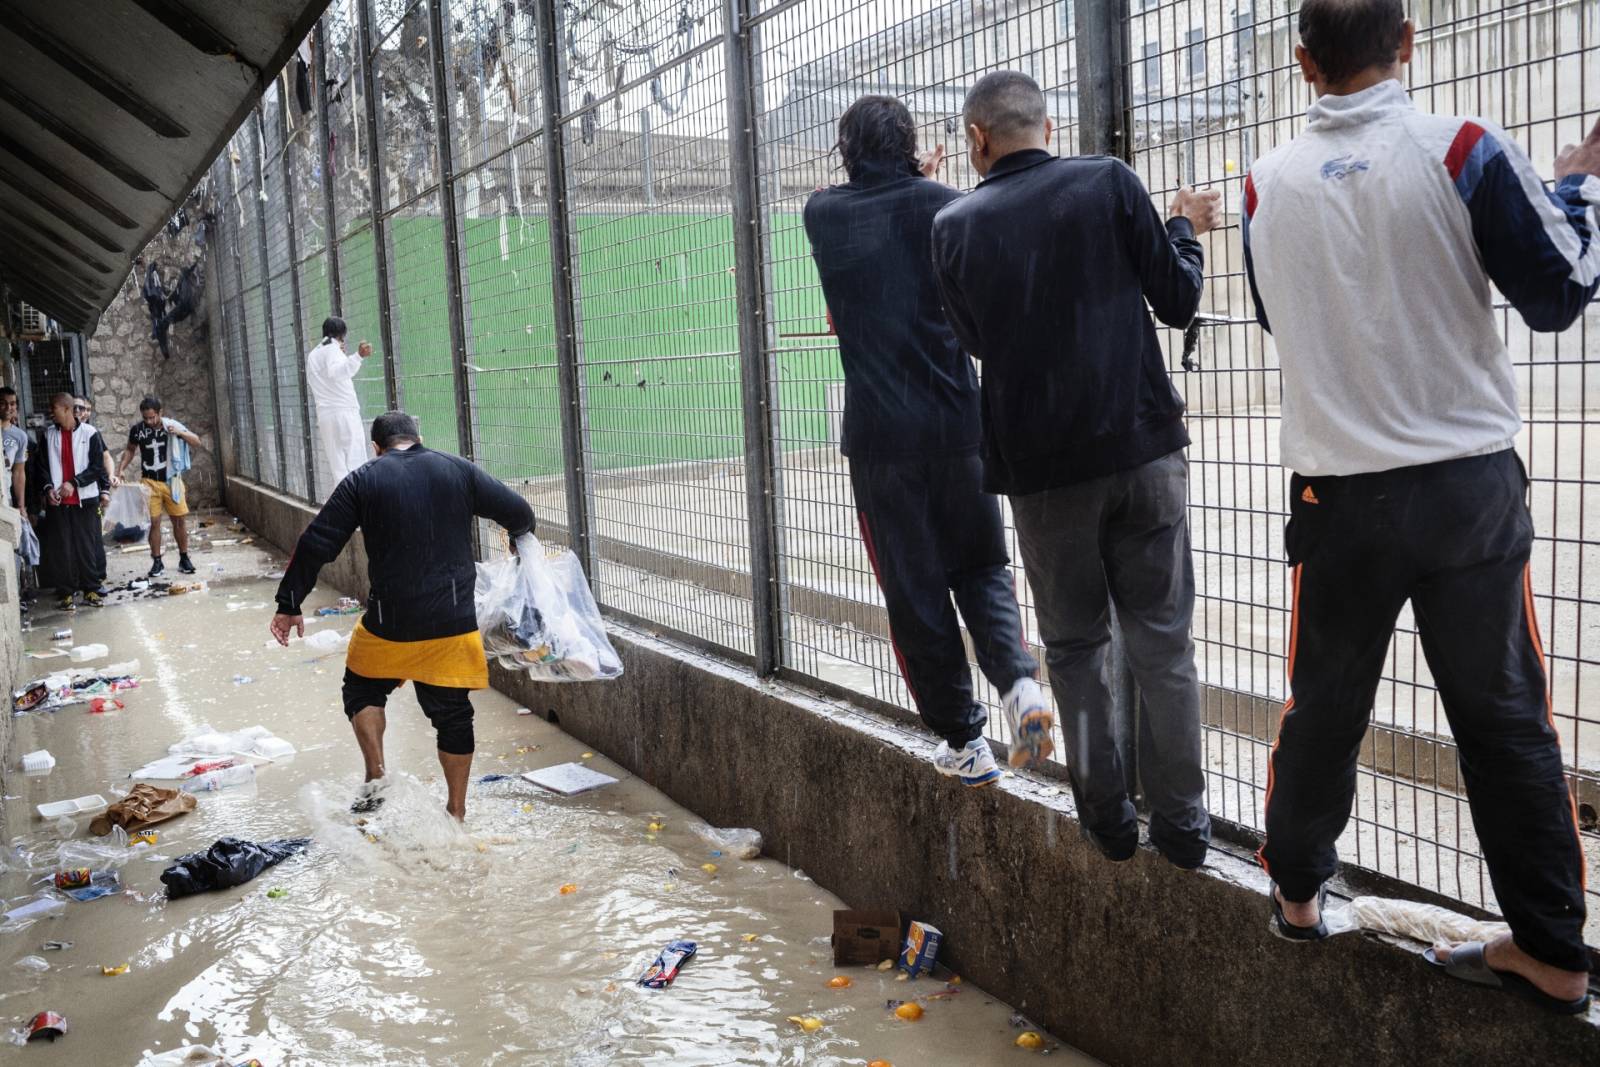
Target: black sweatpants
930,532
1453,538
448,708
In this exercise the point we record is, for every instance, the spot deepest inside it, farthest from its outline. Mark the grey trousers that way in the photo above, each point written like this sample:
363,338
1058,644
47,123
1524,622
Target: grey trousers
1122,539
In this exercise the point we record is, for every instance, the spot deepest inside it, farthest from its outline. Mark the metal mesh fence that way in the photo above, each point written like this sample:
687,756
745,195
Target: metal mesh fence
577,167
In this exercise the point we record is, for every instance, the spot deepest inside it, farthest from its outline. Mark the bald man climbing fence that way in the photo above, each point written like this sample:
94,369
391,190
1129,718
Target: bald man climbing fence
416,509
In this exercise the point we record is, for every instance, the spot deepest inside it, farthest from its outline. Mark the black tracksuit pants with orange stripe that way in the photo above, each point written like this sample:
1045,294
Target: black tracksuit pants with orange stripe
932,532
1454,539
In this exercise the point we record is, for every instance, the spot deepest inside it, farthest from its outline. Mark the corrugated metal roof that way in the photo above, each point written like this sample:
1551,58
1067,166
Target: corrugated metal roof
110,112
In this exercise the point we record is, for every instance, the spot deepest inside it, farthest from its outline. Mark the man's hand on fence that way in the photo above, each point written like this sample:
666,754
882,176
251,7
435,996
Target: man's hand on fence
930,161
1580,158
1201,207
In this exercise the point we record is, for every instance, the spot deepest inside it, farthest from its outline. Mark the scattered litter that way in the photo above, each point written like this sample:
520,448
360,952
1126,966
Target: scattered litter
537,615
62,635
569,889
224,542
33,963
496,778
85,653
37,908
524,711
225,778
587,755
277,892
886,965
839,981
53,653
862,938
657,827
103,884
189,1056
709,868
569,779
112,972
255,742
242,679
809,1023
229,862
348,605
740,844
145,805
668,962
922,948
77,686
326,641
1427,923
747,938
56,946
910,1011
38,762
527,808
47,1025
1030,1040
74,878
92,804
148,837
101,705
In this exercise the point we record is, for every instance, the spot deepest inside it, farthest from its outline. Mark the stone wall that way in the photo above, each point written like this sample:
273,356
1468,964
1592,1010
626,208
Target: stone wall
126,365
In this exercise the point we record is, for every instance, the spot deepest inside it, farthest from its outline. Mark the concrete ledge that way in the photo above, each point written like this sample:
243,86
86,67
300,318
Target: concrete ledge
1135,963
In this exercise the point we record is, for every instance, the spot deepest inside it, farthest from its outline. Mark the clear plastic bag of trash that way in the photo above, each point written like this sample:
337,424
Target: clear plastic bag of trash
129,507
538,616
740,844
325,640
1427,923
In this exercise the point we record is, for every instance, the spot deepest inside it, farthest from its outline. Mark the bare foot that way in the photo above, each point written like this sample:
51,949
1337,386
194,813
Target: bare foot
458,814
1307,913
1502,954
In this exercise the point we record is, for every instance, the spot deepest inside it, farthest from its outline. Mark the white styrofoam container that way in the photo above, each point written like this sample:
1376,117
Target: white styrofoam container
41,760
93,804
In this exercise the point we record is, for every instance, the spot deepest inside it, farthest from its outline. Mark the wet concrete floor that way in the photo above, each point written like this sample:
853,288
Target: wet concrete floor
429,945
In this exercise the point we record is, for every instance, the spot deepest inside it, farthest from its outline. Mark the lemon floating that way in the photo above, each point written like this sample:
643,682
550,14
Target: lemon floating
750,937
657,827
839,981
709,868
112,972
808,1023
1029,1039
909,1011
527,808
569,889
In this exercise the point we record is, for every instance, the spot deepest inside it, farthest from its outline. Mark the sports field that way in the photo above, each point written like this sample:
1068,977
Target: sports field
658,336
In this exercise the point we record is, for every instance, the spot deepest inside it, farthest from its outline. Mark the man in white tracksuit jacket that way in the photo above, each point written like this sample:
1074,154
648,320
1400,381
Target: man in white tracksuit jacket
330,376
1371,241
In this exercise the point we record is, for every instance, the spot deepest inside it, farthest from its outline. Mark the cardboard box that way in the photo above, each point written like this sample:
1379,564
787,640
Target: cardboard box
921,948
865,938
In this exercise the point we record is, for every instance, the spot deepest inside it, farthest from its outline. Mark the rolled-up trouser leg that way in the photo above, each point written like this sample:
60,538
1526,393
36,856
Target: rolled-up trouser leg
450,711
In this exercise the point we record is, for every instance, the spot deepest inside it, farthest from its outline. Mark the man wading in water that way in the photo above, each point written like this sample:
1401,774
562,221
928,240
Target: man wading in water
415,508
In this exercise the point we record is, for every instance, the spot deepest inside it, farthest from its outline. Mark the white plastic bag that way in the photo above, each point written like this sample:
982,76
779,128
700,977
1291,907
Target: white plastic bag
538,616
129,507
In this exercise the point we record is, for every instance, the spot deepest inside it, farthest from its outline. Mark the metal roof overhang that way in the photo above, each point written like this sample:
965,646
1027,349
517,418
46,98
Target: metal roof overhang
110,113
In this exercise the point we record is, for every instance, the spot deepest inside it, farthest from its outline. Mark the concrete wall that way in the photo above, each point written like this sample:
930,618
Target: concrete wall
10,636
1137,963
125,365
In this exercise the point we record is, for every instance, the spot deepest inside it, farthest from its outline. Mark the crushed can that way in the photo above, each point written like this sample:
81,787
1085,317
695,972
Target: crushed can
62,635
667,964
74,878
921,950
47,1025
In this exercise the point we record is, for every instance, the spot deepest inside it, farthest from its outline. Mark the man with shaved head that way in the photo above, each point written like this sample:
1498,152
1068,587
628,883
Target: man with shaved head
1045,270
1371,241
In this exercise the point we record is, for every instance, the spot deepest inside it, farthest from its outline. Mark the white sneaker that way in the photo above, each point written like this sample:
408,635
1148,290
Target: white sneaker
973,763
1028,714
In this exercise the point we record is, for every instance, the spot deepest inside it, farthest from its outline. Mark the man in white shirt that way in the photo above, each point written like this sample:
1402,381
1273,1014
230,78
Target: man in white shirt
330,375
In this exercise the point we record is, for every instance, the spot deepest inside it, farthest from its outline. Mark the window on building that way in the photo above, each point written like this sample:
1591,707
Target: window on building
1197,54
1151,67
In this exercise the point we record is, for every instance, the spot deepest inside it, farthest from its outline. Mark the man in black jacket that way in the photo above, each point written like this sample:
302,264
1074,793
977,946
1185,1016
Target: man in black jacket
415,508
911,437
1045,269
65,465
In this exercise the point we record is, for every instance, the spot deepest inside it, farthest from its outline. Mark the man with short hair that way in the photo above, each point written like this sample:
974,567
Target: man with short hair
416,509
330,379
1371,241
14,440
160,444
911,431
83,411
1045,269
64,490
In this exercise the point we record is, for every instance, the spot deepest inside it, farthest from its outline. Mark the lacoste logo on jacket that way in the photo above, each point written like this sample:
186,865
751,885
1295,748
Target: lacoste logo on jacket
1341,167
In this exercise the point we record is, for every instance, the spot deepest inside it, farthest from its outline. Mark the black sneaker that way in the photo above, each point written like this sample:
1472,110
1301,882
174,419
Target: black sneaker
157,569
185,564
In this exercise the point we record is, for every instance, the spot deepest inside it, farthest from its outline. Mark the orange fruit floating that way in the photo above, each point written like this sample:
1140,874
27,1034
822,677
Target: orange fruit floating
808,1023
1029,1039
909,1011
569,889
880,1063
839,982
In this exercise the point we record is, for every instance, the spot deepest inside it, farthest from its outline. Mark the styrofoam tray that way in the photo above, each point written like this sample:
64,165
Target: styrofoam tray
568,779
93,804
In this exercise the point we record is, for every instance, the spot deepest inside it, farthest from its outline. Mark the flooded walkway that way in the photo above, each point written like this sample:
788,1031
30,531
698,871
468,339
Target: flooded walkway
407,940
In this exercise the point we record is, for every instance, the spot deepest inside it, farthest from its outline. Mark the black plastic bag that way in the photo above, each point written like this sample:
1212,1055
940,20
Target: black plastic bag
227,863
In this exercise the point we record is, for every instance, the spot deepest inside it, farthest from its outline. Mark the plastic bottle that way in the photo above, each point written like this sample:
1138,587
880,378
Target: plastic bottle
244,774
85,653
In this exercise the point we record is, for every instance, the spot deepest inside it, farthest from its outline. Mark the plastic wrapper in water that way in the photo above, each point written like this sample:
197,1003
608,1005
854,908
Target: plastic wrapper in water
537,616
1427,923
740,844
229,862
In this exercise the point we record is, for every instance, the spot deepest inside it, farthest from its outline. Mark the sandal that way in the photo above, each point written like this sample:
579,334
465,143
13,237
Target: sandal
1467,963
1288,930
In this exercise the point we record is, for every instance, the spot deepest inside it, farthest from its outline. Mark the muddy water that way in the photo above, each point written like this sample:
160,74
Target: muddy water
430,945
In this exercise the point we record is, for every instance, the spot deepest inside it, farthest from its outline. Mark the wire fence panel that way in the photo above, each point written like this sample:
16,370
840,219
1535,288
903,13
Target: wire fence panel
643,204
282,294
647,170
1215,87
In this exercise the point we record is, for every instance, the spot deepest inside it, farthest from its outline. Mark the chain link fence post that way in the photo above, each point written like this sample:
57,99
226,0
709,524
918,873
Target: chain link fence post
325,168
564,311
380,245
755,375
